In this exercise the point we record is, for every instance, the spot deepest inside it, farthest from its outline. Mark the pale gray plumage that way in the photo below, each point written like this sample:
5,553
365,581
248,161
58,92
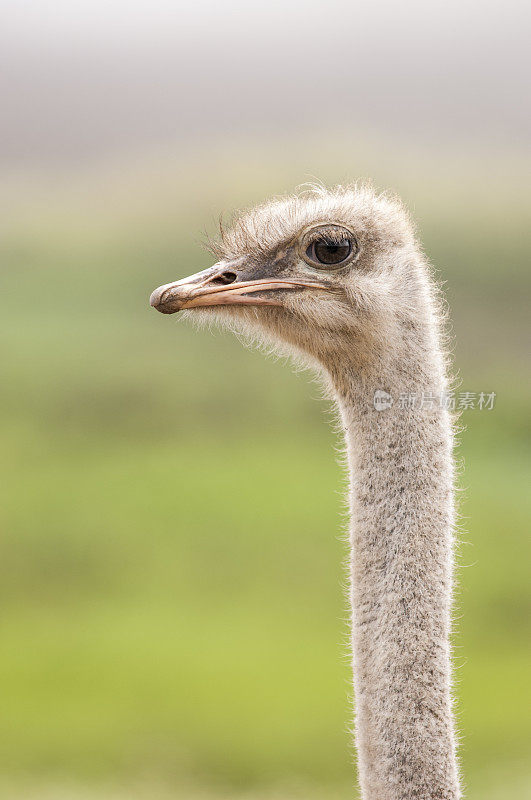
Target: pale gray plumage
373,322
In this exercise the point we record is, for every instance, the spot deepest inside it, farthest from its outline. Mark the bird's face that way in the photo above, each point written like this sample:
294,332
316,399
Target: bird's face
306,271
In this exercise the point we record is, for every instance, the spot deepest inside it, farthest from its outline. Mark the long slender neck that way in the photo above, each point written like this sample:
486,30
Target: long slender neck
401,470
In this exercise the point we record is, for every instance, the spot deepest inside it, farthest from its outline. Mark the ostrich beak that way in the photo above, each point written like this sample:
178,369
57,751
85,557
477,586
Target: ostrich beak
219,286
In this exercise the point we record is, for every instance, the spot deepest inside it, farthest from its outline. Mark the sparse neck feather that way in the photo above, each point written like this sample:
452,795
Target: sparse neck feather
402,514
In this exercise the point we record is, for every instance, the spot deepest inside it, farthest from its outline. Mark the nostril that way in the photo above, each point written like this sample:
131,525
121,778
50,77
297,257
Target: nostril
224,278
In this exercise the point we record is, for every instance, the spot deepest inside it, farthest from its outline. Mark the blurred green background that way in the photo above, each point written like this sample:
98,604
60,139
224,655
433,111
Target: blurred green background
173,620
172,604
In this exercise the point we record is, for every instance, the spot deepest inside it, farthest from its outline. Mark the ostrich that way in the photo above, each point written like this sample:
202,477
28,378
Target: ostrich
338,278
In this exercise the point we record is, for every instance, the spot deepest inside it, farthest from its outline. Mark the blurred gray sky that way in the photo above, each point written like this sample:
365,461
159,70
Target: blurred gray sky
83,79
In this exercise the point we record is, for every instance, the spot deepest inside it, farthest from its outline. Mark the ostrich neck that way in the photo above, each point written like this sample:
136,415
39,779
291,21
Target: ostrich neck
401,495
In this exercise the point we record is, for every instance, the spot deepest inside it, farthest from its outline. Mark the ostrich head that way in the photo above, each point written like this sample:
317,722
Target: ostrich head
338,277
318,272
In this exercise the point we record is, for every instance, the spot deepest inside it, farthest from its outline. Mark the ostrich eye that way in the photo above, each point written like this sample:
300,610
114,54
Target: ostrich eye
324,251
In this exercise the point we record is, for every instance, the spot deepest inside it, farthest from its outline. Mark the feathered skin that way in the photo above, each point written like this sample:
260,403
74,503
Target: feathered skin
371,323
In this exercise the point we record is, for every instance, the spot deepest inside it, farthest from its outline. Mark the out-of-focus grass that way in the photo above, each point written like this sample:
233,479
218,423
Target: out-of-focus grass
177,607
172,610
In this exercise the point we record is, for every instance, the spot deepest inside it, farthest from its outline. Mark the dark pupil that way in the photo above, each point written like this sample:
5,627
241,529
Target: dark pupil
331,252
